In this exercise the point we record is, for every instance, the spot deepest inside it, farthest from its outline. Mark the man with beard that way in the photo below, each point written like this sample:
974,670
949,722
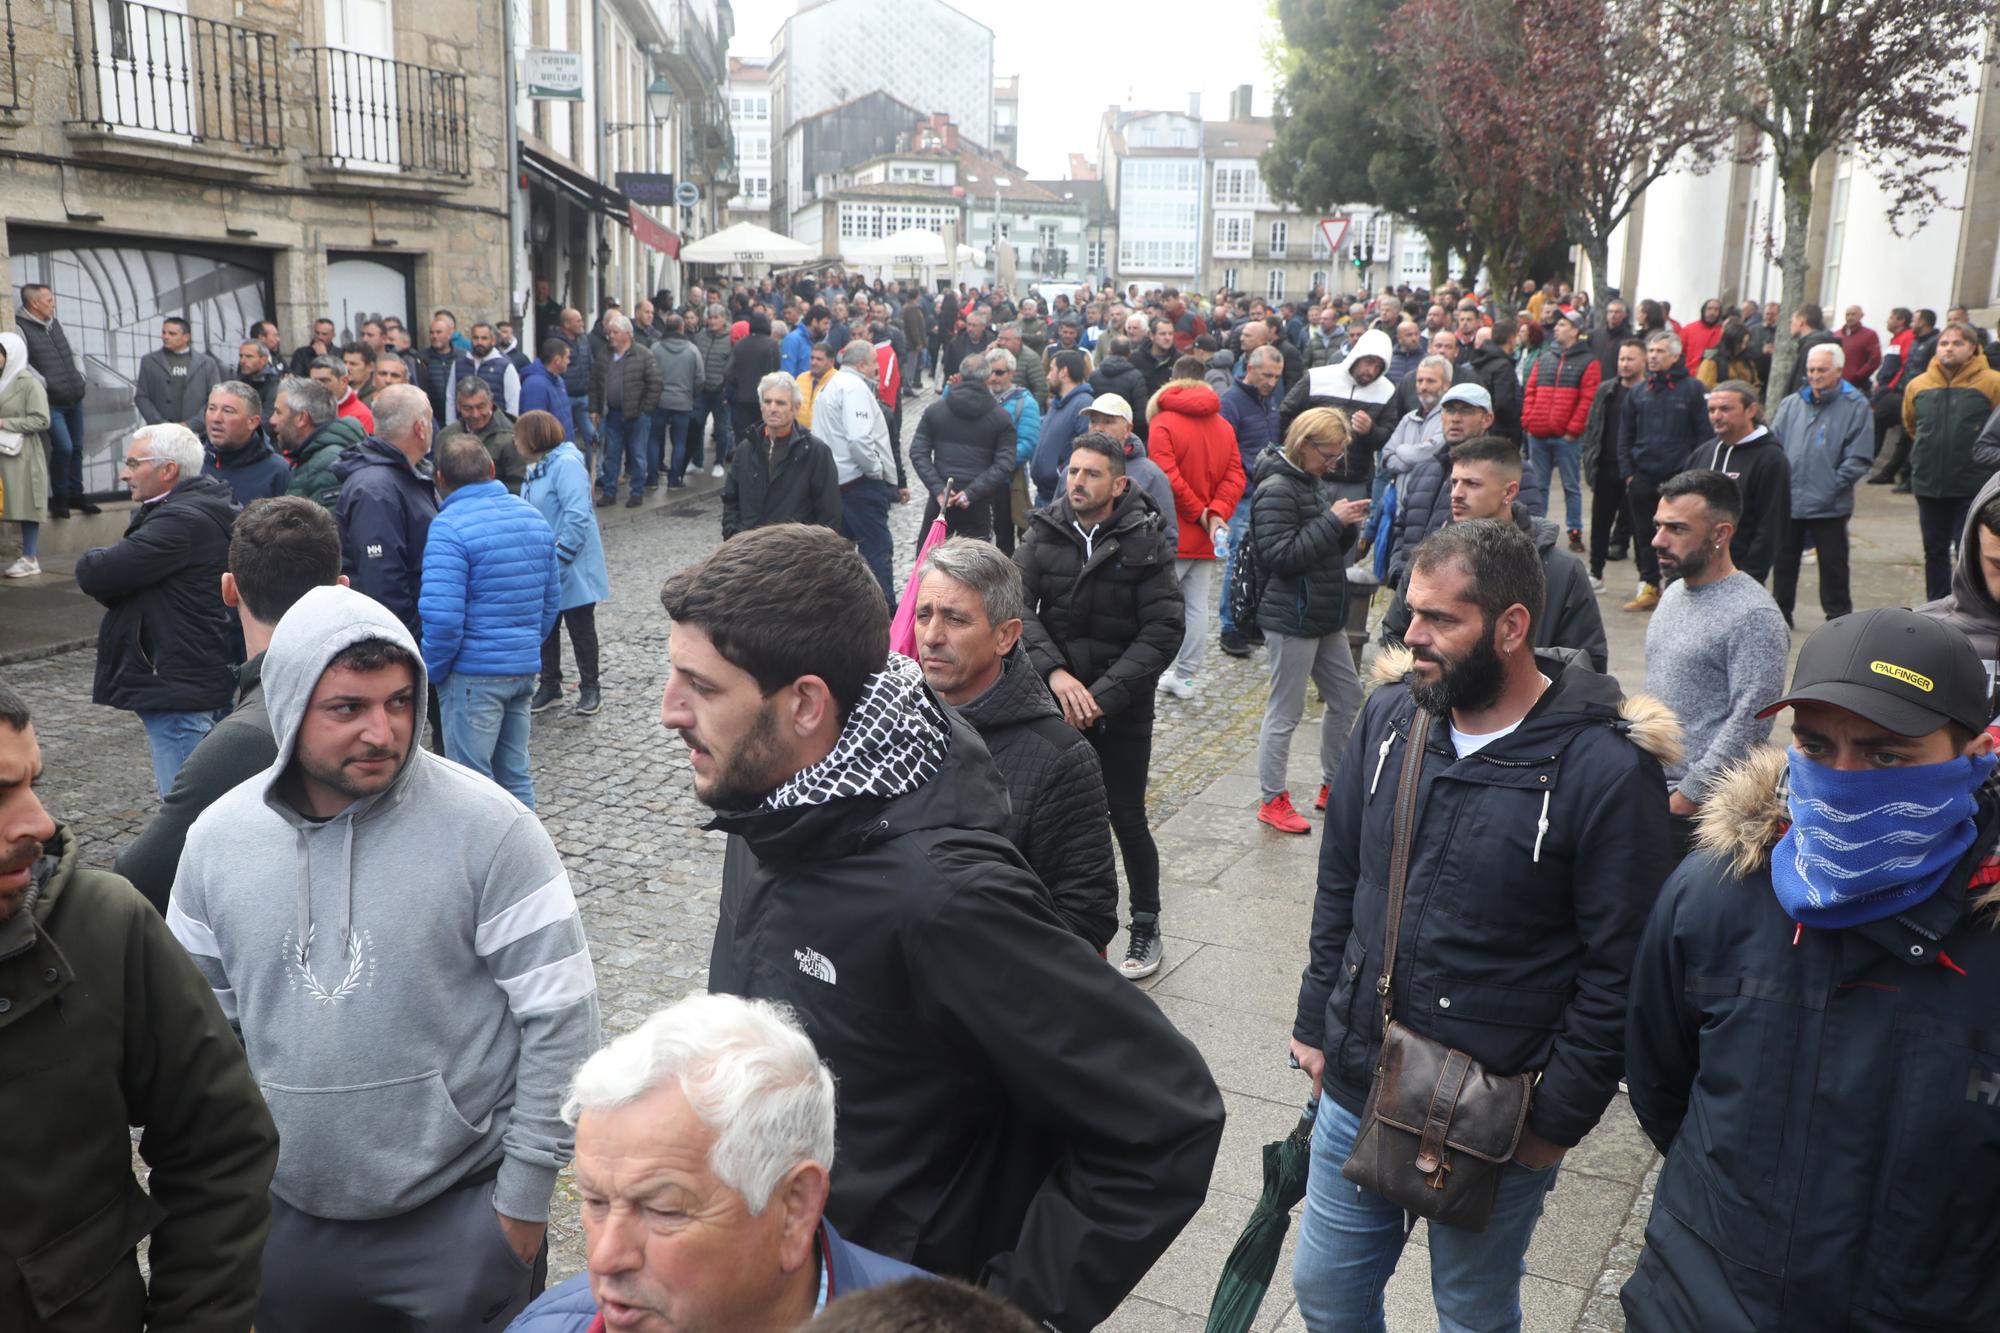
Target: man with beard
1010,1110
1359,386
1536,839
1717,644
109,1026
1702,334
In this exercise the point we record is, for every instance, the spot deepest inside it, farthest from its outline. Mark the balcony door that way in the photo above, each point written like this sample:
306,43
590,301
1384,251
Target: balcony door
363,100
143,69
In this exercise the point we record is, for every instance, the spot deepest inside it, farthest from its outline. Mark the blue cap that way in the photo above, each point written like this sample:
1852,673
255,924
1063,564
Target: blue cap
1474,394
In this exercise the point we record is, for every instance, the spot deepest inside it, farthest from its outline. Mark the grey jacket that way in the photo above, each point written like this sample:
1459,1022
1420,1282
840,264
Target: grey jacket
155,389
680,372
1830,445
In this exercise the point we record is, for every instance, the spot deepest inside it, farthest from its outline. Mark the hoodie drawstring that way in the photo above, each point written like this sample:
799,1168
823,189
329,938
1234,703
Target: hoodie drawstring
1381,758
1541,827
304,903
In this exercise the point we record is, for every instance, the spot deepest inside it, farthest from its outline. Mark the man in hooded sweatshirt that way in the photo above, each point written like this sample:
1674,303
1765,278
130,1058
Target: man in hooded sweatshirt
413,1008
1011,1111
1973,605
1744,451
1359,386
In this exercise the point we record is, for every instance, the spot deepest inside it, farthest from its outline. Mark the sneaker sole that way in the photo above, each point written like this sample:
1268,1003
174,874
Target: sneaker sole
543,708
1274,824
1137,973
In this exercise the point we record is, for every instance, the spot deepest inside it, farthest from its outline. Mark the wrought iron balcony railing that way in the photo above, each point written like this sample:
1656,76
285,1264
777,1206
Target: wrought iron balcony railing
160,74
376,114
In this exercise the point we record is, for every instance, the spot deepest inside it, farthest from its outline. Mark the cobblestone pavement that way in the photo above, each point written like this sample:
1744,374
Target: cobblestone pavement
614,792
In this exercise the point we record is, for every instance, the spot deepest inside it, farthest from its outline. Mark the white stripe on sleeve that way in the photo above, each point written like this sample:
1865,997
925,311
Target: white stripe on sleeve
552,986
547,905
194,936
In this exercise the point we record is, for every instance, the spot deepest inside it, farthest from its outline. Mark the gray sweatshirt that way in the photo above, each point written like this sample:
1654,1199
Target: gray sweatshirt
410,977
1716,655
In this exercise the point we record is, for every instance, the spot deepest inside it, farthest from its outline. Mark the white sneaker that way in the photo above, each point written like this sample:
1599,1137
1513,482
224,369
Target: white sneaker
1596,584
1181,687
26,567
716,472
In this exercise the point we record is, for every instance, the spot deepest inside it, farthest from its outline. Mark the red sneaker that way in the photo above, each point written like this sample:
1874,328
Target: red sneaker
1278,813
1319,802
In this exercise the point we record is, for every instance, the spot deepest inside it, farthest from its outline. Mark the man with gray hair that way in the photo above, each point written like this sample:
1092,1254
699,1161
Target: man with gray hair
963,451
305,424
968,623
164,648
719,1110
1664,420
625,385
1827,431
848,416
783,473
239,453
387,502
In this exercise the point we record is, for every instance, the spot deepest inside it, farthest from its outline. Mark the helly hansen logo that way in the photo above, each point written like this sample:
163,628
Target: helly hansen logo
1983,1086
816,964
374,550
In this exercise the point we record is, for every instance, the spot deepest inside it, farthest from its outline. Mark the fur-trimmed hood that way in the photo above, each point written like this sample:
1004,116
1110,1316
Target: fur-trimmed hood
1642,718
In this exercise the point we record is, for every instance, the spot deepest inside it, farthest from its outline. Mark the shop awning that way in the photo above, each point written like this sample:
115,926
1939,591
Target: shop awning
650,231
566,179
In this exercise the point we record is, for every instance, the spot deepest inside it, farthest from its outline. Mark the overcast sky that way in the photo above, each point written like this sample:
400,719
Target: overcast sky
1157,62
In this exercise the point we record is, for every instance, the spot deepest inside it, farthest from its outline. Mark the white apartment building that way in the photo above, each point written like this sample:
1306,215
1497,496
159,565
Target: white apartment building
750,124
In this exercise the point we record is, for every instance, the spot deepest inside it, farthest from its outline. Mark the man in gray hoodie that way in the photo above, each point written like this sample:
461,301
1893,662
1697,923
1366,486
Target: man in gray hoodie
396,941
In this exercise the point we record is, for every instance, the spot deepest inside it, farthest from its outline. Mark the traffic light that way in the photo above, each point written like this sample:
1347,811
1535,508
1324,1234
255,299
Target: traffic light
1354,255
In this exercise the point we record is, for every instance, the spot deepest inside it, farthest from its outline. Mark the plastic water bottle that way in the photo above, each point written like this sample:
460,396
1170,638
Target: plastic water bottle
1221,538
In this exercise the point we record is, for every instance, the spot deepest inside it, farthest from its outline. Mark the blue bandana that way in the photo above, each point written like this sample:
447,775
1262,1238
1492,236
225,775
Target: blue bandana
1866,845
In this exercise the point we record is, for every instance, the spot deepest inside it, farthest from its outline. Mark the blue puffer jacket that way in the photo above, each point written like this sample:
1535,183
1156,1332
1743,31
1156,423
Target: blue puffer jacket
558,486
1254,420
543,391
569,1307
491,590
1059,431
582,355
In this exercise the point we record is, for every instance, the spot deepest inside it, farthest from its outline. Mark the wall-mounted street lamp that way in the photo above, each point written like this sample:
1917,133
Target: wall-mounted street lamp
659,106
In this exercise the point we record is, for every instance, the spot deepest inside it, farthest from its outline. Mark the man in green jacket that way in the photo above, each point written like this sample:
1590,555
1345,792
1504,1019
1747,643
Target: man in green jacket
1943,410
304,423
105,1024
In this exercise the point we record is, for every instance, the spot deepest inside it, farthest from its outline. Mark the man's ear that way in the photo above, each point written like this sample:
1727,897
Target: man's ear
1980,745
230,597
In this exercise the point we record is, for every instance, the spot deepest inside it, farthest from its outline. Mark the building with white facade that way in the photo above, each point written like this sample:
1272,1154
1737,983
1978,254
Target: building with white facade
1151,164
750,127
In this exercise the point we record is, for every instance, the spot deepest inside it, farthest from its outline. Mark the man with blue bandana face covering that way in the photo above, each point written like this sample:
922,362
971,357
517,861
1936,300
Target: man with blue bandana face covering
1814,1032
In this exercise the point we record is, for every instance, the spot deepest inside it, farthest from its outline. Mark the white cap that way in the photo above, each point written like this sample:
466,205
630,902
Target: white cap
1110,405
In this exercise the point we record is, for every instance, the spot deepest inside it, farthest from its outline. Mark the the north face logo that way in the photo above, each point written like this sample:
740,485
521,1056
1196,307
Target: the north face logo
375,550
816,964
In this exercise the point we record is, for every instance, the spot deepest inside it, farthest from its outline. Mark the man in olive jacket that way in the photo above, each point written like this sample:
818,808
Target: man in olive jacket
106,1024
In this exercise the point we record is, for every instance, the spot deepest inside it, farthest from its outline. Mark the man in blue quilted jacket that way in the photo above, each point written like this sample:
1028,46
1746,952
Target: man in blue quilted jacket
491,593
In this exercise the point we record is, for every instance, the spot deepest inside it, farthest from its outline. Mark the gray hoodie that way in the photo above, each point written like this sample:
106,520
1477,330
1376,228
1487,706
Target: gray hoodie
410,977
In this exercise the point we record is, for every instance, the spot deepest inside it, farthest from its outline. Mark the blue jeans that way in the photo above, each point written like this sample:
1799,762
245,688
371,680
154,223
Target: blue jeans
1239,524
1549,454
672,427
864,520
1349,1241
625,442
579,416
486,728
66,453
172,738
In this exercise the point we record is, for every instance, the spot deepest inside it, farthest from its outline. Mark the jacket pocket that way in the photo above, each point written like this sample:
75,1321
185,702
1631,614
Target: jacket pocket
326,1168
1934,1233
90,1270
1346,1013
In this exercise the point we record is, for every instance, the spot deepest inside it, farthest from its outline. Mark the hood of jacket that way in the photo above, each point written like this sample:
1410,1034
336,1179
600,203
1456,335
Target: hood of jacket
1272,461
1668,378
1017,696
1113,366
970,401
1337,381
338,435
1576,697
1841,389
1191,398
250,453
1969,606
1543,530
372,452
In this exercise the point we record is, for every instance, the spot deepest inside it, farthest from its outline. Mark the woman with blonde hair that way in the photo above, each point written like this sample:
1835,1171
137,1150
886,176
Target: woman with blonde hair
1301,535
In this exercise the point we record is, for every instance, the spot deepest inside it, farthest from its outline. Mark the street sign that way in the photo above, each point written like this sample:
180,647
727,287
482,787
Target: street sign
1334,230
687,194
646,187
555,75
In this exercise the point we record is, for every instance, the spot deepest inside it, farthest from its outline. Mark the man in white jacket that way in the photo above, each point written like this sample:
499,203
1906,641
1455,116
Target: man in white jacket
848,417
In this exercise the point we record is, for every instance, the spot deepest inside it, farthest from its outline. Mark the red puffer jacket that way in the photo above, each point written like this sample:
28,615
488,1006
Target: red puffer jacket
1555,402
1196,448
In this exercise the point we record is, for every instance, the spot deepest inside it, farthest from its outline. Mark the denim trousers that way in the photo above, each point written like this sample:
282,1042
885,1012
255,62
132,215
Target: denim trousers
709,405
65,453
486,728
670,445
1350,1240
626,441
1548,454
172,738
1239,525
579,416
864,520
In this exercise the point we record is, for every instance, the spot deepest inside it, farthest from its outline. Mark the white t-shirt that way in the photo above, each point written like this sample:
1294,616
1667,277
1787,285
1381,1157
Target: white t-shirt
1468,744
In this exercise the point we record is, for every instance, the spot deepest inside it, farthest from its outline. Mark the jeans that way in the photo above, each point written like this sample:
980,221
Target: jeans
1239,527
65,454
1941,523
1329,662
486,728
1125,751
625,441
582,622
1194,576
864,520
709,405
1349,1241
1828,536
1550,454
172,738
1642,497
579,415
670,445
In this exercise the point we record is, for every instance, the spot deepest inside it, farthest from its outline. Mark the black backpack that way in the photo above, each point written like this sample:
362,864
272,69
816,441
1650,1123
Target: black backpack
1246,584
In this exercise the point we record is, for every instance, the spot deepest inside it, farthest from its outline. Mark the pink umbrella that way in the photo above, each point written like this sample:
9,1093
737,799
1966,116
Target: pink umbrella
903,629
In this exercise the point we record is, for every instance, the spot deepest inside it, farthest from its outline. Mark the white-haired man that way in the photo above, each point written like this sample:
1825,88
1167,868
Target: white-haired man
850,421
704,1141
164,645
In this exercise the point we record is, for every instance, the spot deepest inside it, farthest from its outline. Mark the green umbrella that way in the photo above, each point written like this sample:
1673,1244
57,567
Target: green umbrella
1246,1274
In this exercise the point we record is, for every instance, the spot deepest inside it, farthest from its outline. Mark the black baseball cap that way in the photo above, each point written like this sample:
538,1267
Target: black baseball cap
1904,672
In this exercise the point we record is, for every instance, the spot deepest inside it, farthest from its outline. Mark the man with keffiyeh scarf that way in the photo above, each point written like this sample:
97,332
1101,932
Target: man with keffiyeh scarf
1012,1112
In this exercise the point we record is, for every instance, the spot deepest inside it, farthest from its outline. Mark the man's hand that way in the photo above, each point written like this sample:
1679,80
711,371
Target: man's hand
1678,804
596,418
903,495
1361,422
1350,512
1312,1060
524,1237
1079,708
1536,1152
1212,521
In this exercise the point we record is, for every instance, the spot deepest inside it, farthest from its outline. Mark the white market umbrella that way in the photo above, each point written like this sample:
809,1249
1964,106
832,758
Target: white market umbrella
747,243
912,247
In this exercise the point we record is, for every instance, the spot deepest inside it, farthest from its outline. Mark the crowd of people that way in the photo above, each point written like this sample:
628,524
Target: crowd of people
359,1053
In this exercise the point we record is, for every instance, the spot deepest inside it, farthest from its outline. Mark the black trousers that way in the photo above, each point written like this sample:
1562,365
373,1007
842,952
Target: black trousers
1642,498
1607,514
1828,536
975,520
1124,748
1940,522
582,622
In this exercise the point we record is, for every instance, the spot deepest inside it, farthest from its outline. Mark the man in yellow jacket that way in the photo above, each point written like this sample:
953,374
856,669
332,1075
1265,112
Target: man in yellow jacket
1943,411
813,380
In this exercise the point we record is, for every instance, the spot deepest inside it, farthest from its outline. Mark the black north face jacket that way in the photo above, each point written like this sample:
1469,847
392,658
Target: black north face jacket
1012,1111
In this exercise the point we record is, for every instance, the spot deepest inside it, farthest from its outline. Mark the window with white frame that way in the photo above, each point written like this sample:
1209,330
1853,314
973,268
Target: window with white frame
1229,278
1232,235
1384,231
1274,285
1097,256
1280,236
1836,228
1238,183
1319,248
1319,280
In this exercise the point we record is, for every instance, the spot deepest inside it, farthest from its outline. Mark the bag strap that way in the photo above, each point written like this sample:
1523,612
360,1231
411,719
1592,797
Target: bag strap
1402,834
